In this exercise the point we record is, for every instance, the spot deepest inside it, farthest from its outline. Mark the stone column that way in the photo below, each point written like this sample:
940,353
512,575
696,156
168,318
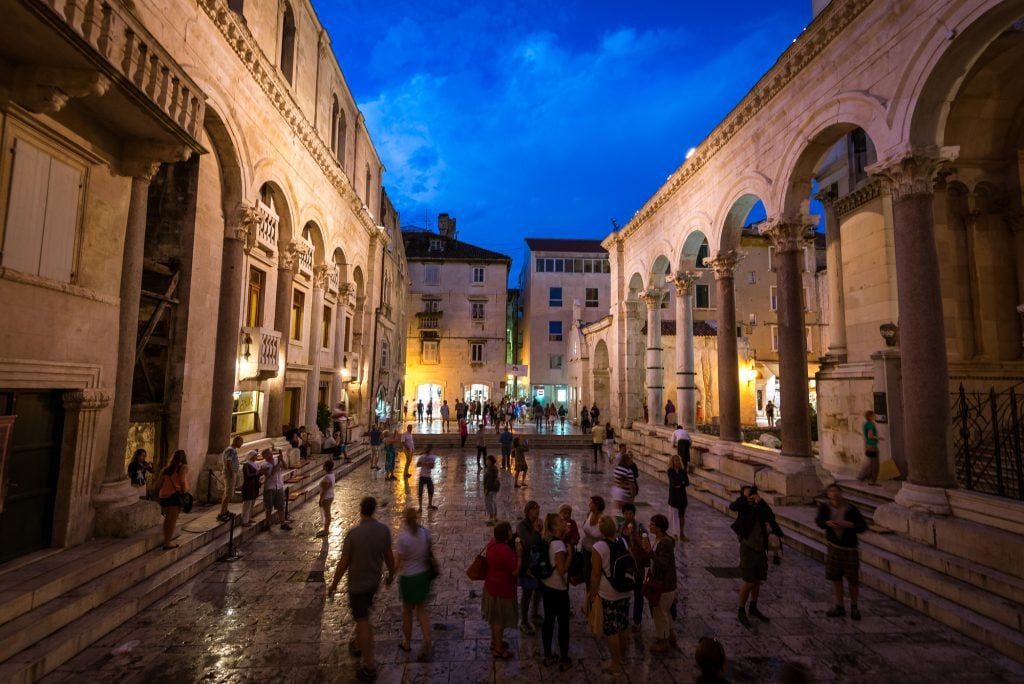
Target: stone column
632,403
836,294
345,291
237,239
282,324
925,371
78,451
1015,220
789,237
655,369
686,376
724,265
321,274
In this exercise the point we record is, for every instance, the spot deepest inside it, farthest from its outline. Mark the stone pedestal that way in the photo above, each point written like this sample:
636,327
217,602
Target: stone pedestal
121,513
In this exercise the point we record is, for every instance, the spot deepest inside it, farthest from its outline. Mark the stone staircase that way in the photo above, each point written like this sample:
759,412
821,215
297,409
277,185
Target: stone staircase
56,603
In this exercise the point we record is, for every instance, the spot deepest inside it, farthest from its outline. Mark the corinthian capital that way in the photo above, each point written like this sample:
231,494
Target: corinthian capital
345,292
243,226
653,296
790,234
321,276
288,257
724,263
912,171
684,281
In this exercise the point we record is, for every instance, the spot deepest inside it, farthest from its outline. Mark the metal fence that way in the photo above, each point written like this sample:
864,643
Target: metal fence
987,441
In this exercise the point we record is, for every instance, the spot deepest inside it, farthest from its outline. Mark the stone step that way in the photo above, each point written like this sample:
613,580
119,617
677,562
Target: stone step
40,639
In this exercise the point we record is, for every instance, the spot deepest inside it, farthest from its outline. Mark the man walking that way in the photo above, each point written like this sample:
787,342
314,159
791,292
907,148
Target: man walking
752,526
682,441
426,465
445,415
376,446
419,411
230,471
407,447
366,548
597,441
769,413
505,438
842,523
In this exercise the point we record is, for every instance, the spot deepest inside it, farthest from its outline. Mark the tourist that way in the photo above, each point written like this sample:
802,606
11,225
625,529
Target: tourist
390,454
376,446
419,411
426,465
330,444
670,413
870,432
554,591
273,489
250,486
463,432
682,442
561,416
662,577
408,446
529,542
584,419
366,548
445,415
430,412
519,449
634,534
552,413
571,535
173,484
138,467
415,576
492,485
769,413
499,595
326,498
842,523
613,603
595,413
229,471
678,481
597,441
505,439
591,533
752,526
481,446
710,657
627,479
609,441
339,416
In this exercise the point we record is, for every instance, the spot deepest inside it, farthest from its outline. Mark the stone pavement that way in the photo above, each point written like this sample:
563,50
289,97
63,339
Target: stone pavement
264,618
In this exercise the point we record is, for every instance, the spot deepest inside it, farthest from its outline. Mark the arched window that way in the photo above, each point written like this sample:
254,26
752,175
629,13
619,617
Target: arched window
287,62
338,131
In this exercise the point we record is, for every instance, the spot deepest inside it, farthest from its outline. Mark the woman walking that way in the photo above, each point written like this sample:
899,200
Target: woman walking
663,577
528,542
519,449
609,442
554,590
613,604
173,483
414,580
499,599
492,485
678,481
250,486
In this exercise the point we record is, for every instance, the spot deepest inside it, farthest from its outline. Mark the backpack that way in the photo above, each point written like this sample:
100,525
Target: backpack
624,572
539,567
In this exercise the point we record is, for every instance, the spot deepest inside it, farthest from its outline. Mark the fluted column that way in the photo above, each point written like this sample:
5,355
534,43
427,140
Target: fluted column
724,265
321,274
345,291
834,261
925,370
789,237
282,324
655,369
686,376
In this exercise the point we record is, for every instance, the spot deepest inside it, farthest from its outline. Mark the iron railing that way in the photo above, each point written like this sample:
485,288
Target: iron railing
987,441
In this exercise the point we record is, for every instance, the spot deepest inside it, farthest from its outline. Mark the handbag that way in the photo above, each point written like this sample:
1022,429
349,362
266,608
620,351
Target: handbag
186,502
595,618
477,570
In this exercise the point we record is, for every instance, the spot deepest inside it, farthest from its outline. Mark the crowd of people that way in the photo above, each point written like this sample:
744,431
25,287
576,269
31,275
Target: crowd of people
544,416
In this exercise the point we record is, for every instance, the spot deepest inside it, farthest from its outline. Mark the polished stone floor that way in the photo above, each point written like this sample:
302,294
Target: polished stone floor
264,617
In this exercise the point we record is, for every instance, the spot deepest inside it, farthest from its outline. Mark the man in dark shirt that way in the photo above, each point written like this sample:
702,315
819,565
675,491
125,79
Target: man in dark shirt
755,522
842,523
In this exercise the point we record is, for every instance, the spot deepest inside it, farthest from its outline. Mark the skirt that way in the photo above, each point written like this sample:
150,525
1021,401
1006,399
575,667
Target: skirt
499,611
414,589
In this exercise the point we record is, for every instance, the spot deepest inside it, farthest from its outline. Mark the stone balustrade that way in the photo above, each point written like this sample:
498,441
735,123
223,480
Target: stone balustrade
305,256
259,353
267,223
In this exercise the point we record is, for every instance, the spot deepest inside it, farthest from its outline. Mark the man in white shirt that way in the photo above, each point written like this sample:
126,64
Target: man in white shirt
407,447
426,465
681,441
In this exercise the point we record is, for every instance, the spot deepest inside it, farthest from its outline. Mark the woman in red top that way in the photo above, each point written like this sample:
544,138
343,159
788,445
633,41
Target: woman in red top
173,483
499,602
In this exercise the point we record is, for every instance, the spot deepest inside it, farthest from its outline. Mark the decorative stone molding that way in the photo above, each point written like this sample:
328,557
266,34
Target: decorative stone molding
653,296
47,90
790,234
345,292
321,277
92,399
857,198
142,159
684,281
724,264
288,258
830,23
244,225
911,171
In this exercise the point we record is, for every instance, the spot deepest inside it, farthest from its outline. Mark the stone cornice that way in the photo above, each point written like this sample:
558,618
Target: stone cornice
830,23
238,36
858,198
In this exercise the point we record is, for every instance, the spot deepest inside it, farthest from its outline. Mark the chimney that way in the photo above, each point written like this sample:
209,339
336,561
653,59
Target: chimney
446,226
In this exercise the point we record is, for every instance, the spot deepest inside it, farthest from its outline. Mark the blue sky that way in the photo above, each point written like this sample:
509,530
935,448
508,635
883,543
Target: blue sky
544,118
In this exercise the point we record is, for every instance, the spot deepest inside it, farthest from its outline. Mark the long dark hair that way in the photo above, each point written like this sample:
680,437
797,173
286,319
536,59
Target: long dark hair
177,461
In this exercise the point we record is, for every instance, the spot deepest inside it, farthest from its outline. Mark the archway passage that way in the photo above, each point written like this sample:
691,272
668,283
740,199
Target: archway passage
602,377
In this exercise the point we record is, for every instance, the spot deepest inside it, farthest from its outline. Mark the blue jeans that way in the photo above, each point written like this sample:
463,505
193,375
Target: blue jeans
429,484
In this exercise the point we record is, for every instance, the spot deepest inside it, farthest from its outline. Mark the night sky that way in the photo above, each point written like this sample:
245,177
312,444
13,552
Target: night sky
546,118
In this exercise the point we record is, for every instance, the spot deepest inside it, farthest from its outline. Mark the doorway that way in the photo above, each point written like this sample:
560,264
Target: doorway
292,407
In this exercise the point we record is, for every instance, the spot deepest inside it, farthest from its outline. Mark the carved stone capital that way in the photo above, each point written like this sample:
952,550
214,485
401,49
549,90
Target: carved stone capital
912,171
684,281
790,234
724,263
142,159
345,292
243,225
289,257
321,276
828,195
86,399
653,297
47,90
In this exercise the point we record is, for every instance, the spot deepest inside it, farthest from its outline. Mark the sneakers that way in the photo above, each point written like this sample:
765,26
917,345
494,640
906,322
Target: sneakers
758,614
224,517
742,615
855,612
837,612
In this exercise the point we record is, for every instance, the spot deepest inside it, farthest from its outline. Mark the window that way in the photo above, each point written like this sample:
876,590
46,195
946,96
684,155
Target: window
773,297
432,274
369,182
476,352
348,334
771,258
245,412
287,62
338,131
478,311
254,303
430,352
554,331
540,265
298,302
702,255
435,245
325,329
42,214
559,265
431,305
591,298
555,361
702,296
554,296
752,278
478,275
385,353
775,337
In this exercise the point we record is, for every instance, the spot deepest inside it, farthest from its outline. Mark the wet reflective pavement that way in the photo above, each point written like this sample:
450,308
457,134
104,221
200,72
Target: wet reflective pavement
264,617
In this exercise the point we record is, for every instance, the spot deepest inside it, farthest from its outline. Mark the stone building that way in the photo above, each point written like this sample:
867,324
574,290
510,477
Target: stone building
196,244
457,318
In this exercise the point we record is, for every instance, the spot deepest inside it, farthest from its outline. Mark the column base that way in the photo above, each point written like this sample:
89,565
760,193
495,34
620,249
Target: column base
795,478
932,500
121,513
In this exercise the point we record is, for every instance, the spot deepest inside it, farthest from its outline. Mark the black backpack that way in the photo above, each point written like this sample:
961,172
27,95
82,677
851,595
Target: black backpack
539,566
624,572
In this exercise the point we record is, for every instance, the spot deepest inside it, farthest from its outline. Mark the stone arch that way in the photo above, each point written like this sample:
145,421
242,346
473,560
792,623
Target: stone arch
222,143
661,268
636,284
311,231
602,377
341,263
272,195
735,218
695,247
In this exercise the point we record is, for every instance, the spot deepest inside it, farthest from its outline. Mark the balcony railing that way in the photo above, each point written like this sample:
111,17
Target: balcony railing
334,279
258,352
351,364
305,248
267,222
429,320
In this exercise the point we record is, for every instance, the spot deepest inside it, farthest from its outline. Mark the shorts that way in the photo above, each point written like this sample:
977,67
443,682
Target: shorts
753,564
521,466
273,498
615,615
414,589
842,562
229,482
172,501
361,604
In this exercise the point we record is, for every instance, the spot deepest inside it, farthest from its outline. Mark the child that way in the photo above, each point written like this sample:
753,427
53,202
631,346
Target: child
326,497
390,455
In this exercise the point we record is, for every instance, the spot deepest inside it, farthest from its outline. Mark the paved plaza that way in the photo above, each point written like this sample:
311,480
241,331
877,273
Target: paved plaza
264,618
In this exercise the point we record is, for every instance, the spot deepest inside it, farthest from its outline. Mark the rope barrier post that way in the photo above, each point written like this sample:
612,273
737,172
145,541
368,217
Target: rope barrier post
209,487
232,555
